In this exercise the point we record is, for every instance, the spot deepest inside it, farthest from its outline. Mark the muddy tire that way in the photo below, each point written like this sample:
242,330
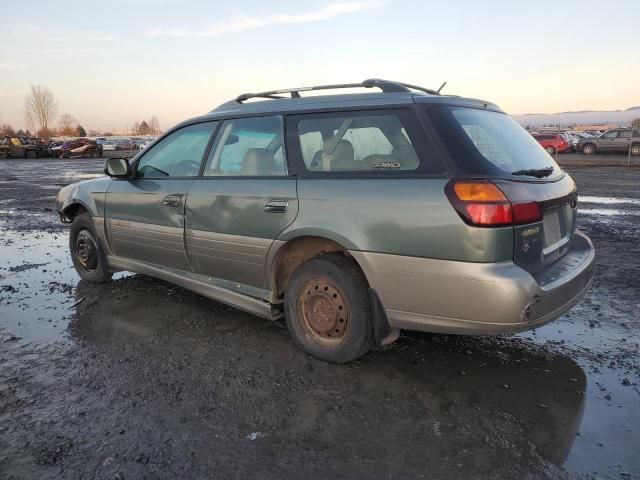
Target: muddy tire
589,149
4,155
550,150
327,309
635,149
86,252
31,154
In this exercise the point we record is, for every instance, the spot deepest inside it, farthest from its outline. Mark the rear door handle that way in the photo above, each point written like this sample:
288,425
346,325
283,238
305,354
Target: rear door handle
171,200
276,206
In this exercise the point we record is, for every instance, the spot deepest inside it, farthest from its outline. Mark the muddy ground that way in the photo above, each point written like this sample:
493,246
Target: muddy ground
140,379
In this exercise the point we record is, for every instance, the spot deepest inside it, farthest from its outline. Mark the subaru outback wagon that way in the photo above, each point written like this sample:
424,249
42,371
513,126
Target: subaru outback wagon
353,215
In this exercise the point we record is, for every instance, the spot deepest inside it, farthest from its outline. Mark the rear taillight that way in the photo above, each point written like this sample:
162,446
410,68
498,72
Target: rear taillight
482,203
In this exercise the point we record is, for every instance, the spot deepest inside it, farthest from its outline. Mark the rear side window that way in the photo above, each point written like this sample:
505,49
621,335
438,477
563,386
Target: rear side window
484,142
248,147
625,134
373,142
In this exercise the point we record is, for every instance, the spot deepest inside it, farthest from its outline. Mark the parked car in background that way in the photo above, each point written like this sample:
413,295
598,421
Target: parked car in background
17,147
553,142
572,139
80,147
41,144
54,148
307,224
124,144
146,143
618,140
109,145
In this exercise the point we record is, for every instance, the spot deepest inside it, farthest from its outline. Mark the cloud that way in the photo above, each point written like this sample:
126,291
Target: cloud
92,37
12,66
250,23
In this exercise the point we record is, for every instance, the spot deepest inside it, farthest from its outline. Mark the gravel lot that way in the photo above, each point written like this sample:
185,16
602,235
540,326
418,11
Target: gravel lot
141,379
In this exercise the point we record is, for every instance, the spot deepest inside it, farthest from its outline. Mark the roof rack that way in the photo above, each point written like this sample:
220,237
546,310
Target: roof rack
384,85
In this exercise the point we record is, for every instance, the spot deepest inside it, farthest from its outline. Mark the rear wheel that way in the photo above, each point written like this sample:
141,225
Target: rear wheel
589,149
550,150
327,309
31,154
94,154
86,252
4,155
635,149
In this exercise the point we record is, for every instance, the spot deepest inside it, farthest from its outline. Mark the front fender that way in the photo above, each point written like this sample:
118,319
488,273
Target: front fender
90,194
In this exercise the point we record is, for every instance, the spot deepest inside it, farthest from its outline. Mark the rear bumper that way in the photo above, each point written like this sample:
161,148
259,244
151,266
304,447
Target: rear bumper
477,298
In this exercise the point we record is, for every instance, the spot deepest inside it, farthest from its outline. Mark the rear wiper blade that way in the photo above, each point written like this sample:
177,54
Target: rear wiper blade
535,172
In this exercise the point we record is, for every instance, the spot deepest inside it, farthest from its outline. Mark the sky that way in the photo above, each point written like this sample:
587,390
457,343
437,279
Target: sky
110,64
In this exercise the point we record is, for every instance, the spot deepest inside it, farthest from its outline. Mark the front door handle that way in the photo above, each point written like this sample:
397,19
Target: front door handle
171,200
276,206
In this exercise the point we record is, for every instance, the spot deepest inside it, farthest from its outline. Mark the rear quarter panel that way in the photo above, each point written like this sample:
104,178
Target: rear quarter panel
408,216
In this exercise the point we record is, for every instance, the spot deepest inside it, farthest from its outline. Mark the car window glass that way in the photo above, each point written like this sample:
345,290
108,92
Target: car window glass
625,134
248,147
484,142
356,143
178,154
15,141
612,134
636,134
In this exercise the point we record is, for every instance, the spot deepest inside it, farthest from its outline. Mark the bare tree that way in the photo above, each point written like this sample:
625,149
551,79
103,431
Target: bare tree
67,124
6,130
154,125
40,108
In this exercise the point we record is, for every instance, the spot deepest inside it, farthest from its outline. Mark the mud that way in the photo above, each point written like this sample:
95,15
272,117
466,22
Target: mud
141,379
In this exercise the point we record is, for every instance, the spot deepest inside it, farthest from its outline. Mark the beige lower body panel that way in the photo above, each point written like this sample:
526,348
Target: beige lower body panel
469,298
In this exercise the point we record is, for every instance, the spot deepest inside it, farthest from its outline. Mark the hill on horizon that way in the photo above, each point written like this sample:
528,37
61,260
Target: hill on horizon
583,117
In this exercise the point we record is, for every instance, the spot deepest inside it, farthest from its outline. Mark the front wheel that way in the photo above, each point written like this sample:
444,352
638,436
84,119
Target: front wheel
327,309
86,252
550,150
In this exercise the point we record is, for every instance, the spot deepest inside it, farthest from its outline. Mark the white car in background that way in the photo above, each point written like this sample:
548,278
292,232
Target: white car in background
109,145
146,143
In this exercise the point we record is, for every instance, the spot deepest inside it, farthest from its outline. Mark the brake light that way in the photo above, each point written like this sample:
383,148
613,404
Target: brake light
482,203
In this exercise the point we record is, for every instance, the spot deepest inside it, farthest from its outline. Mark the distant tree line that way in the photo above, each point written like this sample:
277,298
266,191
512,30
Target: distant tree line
40,112
152,127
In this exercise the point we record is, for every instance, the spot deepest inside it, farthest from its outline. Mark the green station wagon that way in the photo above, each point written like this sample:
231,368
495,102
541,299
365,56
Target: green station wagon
355,216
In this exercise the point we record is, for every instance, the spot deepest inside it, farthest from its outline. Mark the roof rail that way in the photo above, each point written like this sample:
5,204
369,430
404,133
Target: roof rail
384,85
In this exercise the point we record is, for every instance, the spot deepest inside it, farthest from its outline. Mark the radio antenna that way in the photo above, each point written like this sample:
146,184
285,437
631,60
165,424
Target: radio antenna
441,87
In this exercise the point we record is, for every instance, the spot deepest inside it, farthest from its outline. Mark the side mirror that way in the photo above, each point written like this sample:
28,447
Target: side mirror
117,167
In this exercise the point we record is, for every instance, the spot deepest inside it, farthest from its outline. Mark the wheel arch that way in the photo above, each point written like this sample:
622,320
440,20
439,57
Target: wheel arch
73,209
286,256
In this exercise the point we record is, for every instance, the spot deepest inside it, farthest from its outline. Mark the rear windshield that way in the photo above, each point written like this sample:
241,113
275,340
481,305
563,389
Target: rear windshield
484,142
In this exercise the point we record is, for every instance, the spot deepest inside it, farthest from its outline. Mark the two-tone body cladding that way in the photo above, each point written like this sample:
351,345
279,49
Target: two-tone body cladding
355,216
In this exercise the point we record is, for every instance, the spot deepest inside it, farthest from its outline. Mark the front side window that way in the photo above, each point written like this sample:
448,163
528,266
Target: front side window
371,142
248,147
611,134
179,154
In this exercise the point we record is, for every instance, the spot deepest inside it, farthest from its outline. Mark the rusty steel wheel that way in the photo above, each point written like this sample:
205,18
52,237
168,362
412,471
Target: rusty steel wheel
328,310
324,311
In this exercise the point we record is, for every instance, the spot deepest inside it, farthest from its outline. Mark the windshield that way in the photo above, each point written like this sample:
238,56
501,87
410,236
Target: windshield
484,142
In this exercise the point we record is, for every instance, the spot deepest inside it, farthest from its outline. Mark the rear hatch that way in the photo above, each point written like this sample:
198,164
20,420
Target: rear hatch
487,144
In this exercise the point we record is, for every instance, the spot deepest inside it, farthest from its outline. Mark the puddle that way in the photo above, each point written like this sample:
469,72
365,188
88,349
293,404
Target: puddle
608,212
38,286
576,410
609,200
